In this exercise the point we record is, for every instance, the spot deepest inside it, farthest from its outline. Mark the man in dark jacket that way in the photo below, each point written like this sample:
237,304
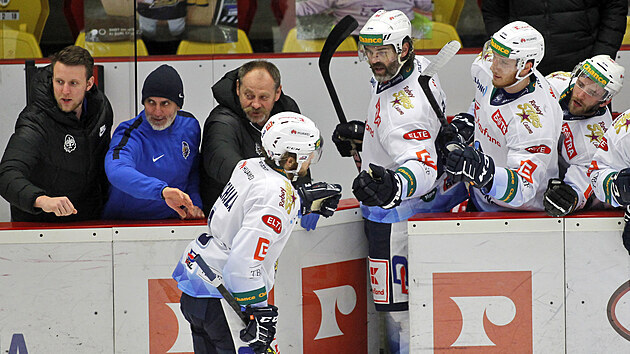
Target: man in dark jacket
52,168
573,30
247,97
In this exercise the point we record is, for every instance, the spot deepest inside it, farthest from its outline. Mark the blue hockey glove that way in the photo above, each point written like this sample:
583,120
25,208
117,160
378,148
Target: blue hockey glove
309,221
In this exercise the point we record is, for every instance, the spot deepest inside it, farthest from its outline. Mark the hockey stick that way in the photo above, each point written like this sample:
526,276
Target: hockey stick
217,283
443,56
338,34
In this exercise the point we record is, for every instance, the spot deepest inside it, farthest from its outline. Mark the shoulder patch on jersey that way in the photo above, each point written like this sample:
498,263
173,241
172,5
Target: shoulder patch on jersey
262,247
482,88
592,167
425,157
539,149
273,222
418,134
246,170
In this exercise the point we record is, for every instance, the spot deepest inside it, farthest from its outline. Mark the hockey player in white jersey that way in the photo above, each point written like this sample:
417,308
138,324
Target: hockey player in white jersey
610,170
517,125
248,227
584,96
399,173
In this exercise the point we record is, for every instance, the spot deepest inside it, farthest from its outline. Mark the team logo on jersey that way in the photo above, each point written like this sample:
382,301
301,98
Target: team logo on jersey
101,130
497,118
529,116
527,170
69,145
418,134
287,197
185,149
622,122
593,167
246,171
401,98
273,222
596,136
539,149
569,146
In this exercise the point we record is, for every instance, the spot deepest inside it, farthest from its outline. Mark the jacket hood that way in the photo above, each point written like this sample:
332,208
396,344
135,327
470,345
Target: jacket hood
43,97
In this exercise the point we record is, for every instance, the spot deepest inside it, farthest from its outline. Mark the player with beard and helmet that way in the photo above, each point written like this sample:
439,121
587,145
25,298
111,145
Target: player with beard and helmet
585,95
400,175
249,225
517,125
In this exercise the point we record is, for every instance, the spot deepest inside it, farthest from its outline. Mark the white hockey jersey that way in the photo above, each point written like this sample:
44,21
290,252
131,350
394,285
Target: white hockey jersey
579,139
400,133
520,133
248,227
612,156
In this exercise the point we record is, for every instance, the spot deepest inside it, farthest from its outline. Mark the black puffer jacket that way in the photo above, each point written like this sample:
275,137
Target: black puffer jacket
229,137
55,154
574,30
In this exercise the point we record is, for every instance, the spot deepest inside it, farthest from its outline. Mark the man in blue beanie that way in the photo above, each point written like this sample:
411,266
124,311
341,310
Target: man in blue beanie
153,159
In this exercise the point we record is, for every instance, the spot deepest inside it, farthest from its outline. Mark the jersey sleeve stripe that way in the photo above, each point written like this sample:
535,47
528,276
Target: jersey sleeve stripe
410,178
512,187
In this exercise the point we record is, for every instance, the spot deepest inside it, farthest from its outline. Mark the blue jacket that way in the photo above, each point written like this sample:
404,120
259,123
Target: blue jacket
142,161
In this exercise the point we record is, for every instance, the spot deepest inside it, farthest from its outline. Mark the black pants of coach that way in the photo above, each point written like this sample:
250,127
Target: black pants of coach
210,330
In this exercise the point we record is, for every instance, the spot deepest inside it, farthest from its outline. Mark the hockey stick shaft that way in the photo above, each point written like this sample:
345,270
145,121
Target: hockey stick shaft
443,56
338,34
217,283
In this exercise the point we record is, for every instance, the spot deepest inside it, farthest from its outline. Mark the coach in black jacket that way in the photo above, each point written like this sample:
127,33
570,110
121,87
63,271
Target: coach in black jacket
574,30
247,97
52,169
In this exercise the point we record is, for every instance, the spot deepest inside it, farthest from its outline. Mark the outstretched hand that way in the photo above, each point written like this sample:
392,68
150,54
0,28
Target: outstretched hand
61,206
178,201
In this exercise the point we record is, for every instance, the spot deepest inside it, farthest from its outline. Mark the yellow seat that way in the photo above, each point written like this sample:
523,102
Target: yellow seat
241,46
18,45
25,15
294,45
448,11
442,33
626,37
112,49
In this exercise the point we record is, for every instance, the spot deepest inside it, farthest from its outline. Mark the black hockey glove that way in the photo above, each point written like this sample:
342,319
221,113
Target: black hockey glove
378,187
560,199
621,187
348,137
465,163
460,130
261,328
625,235
319,198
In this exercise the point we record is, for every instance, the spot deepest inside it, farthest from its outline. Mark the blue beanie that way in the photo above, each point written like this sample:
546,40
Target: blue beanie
164,82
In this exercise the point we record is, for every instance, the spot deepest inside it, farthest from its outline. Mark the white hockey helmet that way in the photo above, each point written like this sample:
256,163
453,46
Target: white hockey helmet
384,28
604,71
294,133
518,40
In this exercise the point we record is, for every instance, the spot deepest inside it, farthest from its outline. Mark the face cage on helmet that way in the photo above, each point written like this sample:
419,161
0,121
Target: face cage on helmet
578,72
313,156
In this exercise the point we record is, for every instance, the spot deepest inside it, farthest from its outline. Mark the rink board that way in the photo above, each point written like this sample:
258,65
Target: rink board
518,285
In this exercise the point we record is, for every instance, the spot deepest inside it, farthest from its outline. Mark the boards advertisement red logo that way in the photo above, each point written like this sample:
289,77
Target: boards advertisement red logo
482,312
169,332
273,222
418,134
335,308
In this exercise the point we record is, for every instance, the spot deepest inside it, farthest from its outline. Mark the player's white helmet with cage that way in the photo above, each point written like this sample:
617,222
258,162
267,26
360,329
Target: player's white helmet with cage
602,71
294,133
518,40
384,28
